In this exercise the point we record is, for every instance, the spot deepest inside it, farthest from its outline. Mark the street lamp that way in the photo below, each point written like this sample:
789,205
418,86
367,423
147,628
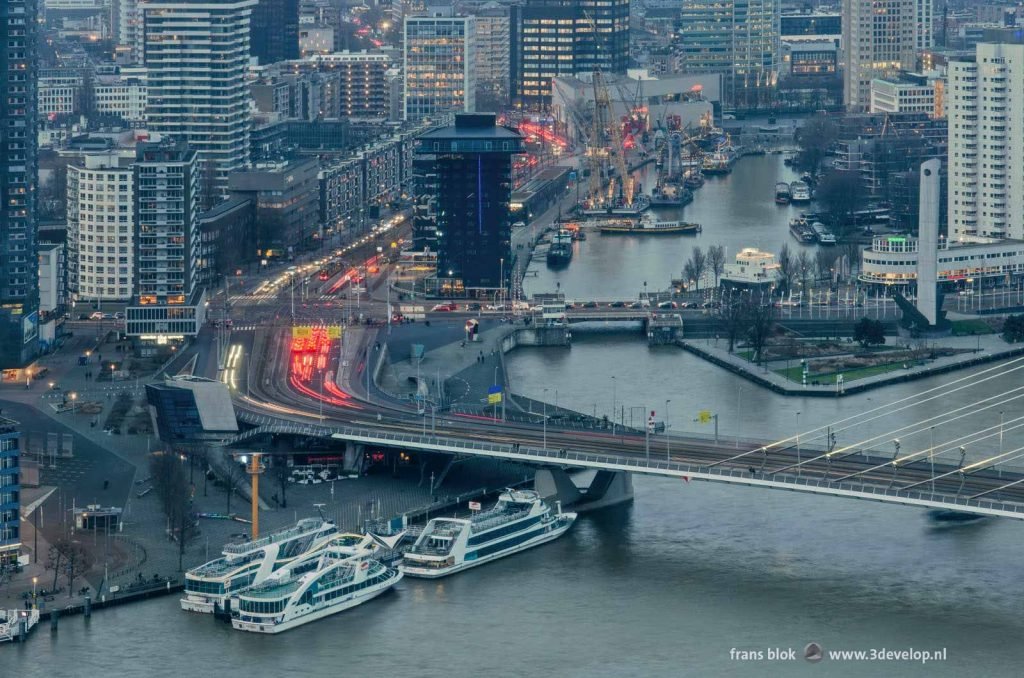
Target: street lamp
545,416
798,462
668,450
613,404
74,397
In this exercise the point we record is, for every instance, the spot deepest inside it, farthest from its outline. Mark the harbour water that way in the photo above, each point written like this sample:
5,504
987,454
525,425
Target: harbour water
736,210
666,586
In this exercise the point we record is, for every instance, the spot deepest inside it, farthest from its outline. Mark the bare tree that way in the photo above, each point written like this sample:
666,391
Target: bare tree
787,268
824,262
716,261
761,323
695,267
69,558
282,473
175,494
233,478
731,316
804,266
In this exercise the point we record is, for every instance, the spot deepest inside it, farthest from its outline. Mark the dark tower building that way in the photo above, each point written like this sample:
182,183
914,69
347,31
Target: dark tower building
472,183
274,33
19,262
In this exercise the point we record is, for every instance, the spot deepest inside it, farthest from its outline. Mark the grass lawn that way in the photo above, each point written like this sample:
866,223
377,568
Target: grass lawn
795,373
962,327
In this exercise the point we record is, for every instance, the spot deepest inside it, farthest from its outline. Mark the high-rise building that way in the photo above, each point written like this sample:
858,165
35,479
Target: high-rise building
362,90
440,64
10,490
924,22
555,38
101,195
168,302
878,41
985,95
738,38
493,46
472,182
197,55
19,173
126,25
275,30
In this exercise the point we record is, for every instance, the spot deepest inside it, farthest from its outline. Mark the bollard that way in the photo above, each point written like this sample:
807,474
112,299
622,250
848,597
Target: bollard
53,620
88,607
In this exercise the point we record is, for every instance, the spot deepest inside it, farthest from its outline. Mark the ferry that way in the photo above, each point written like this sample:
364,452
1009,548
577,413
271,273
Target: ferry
209,586
800,193
801,230
648,227
344,574
560,251
824,236
518,521
782,193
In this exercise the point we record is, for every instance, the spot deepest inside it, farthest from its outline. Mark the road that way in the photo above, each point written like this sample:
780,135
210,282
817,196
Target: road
275,393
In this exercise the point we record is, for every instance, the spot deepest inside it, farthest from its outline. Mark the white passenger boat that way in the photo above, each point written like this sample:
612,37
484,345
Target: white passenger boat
520,520
209,586
342,575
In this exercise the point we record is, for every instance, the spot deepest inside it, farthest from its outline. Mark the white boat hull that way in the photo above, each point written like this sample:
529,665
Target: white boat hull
313,615
195,605
436,573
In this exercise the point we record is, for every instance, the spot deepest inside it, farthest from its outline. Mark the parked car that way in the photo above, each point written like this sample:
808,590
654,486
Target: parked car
473,307
96,315
667,304
119,315
444,308
617,304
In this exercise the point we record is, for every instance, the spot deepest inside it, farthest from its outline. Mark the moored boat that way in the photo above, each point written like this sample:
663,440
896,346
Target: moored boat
648,227
343,575
560,251
801,230
245,564
824,236
800,193
518,521
782,193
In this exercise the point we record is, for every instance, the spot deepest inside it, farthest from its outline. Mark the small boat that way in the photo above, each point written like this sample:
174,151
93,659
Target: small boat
670,195
782,193
719,162
801,230
951,518
640,204
694,180
560,252
648,227
824,236
800,193
518,521
345,574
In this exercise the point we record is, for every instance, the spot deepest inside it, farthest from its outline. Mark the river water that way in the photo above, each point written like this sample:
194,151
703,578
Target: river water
668,585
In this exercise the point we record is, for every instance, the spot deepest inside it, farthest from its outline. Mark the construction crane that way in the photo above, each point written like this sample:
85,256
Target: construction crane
600,150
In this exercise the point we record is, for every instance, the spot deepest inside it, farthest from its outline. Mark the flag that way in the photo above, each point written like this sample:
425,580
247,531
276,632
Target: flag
494,395
686,478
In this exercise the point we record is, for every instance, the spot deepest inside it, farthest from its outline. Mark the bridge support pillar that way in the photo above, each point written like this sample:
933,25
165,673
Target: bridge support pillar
607,488
354,457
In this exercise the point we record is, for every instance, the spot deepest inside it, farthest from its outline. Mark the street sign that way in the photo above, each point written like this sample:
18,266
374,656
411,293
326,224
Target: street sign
704,416
475,506
334,331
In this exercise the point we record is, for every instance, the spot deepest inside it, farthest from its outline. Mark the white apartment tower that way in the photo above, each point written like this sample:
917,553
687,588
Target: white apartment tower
440,64
878,40
101,229
197,55
925,23
985,104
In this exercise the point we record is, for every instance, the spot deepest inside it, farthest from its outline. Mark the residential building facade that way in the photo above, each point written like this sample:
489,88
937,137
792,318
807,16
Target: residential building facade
986,145
197,55
19,175
440,64
879,40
